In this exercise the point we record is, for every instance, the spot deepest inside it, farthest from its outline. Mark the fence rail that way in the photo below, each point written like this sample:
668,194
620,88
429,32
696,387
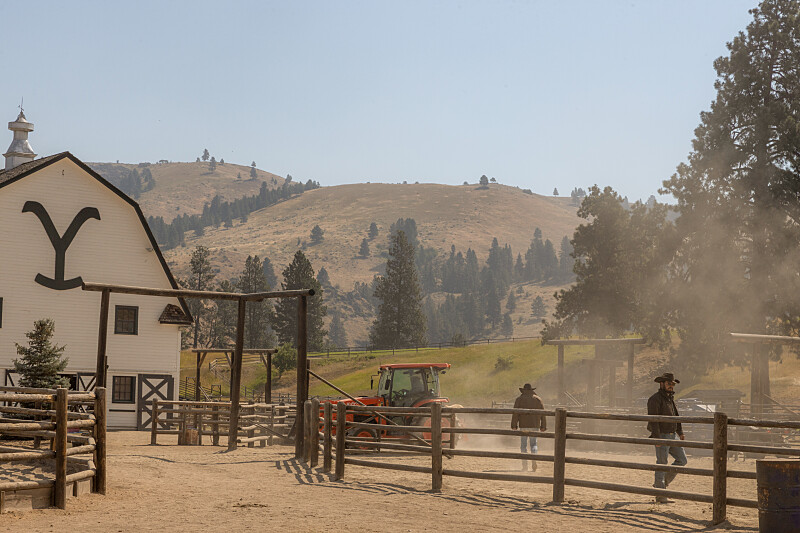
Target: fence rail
258,422
48,416
333,430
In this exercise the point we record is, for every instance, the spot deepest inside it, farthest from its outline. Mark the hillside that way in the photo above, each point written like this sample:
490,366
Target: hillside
464,216
460,216
185,187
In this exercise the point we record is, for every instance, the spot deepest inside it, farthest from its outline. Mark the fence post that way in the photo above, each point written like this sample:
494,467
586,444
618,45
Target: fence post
559,454
100,439
251,410
720,467
326,439
453,423
436,447
154,422
215,425
60,486
341,428
314,428
271,423
307,431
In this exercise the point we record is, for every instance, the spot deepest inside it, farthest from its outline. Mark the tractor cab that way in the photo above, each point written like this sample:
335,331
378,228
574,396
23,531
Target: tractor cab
410,385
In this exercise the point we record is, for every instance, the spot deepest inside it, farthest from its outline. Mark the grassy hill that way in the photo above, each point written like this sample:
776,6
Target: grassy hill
464,216
473,379
186,187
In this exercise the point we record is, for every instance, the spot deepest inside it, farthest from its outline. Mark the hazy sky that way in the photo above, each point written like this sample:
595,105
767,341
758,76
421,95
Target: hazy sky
536,94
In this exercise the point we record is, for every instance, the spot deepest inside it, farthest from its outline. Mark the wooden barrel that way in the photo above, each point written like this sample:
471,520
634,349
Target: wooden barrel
778,495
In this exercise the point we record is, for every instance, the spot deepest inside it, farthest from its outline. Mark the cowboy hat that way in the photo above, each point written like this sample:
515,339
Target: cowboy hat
527,387
666,376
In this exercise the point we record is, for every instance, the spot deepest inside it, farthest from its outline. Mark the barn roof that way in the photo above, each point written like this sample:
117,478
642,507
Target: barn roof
26,169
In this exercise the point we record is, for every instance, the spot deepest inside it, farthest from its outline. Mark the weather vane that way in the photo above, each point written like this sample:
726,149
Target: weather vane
21,101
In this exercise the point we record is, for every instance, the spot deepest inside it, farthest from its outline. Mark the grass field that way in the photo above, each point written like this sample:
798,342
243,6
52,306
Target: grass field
474,380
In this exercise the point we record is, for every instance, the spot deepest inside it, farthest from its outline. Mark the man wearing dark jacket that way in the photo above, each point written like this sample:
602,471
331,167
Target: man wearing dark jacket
528,400
662,403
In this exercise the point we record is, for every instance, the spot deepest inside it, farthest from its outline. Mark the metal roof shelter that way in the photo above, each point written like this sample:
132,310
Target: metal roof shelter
591,384
229,353
236,370
759,367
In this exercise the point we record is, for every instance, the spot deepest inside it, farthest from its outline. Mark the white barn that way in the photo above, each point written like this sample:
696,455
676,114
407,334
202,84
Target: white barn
61,223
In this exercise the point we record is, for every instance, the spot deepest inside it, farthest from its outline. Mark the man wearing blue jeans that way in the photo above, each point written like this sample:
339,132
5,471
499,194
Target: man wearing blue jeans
528,400
663,403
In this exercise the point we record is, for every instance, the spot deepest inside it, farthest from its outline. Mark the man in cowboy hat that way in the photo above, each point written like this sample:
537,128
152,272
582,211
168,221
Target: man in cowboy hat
528,400
662,403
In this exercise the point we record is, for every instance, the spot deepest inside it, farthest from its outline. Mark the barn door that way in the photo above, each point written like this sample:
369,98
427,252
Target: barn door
86,380
152,386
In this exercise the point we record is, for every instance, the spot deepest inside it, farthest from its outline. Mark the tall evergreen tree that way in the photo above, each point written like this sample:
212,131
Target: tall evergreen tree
400,321
364,250
41,361
337,337
373,231
300,275
565,260
201,279
206,155
738,195
257,332
269,272
220,323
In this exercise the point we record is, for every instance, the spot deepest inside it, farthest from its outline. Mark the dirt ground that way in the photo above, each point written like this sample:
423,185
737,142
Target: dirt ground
171,488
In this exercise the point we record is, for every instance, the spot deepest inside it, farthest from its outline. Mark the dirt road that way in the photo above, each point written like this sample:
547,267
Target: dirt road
172,488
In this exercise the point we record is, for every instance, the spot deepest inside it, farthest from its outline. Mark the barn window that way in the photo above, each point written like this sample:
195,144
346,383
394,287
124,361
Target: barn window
122,389
127,320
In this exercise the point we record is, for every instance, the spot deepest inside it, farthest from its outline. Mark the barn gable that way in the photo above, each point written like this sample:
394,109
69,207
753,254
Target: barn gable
180,316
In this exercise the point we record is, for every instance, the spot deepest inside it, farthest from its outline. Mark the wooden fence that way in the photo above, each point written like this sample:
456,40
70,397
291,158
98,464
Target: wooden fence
259,422
75,424
336,443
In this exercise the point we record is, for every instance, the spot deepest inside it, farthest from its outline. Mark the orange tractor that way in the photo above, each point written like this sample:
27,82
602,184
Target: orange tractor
401,385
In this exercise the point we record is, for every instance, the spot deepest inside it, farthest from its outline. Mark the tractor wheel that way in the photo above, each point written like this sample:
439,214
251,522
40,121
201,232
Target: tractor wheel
360,433
425,421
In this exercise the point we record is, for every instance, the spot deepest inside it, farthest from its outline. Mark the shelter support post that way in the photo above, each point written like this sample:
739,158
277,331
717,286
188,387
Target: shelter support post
561,386
236,377
102,339
302,373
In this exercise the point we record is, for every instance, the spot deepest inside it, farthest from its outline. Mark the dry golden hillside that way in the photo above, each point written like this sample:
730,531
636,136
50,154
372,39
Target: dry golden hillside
446,215
187,187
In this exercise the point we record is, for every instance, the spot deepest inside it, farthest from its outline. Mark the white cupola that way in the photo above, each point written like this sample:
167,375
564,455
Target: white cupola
20,150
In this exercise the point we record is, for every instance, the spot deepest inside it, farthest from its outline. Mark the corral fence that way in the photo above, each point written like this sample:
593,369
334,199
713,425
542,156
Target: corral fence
337,443
74,423
191,421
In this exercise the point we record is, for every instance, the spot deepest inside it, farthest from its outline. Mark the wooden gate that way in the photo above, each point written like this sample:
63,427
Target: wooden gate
152,386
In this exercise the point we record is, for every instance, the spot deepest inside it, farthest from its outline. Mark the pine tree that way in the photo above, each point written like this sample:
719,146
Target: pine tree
400,321
738,194
484,181
538,309
565,260
253,173
337,338
41,361
373,231
300,275
323,278
221,319
507,326
206,155
317,234
257,331
555,192
511,304
269,272
364,250
200,280
212,165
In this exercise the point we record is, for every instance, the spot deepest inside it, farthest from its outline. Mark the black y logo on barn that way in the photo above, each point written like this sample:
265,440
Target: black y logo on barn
60,243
